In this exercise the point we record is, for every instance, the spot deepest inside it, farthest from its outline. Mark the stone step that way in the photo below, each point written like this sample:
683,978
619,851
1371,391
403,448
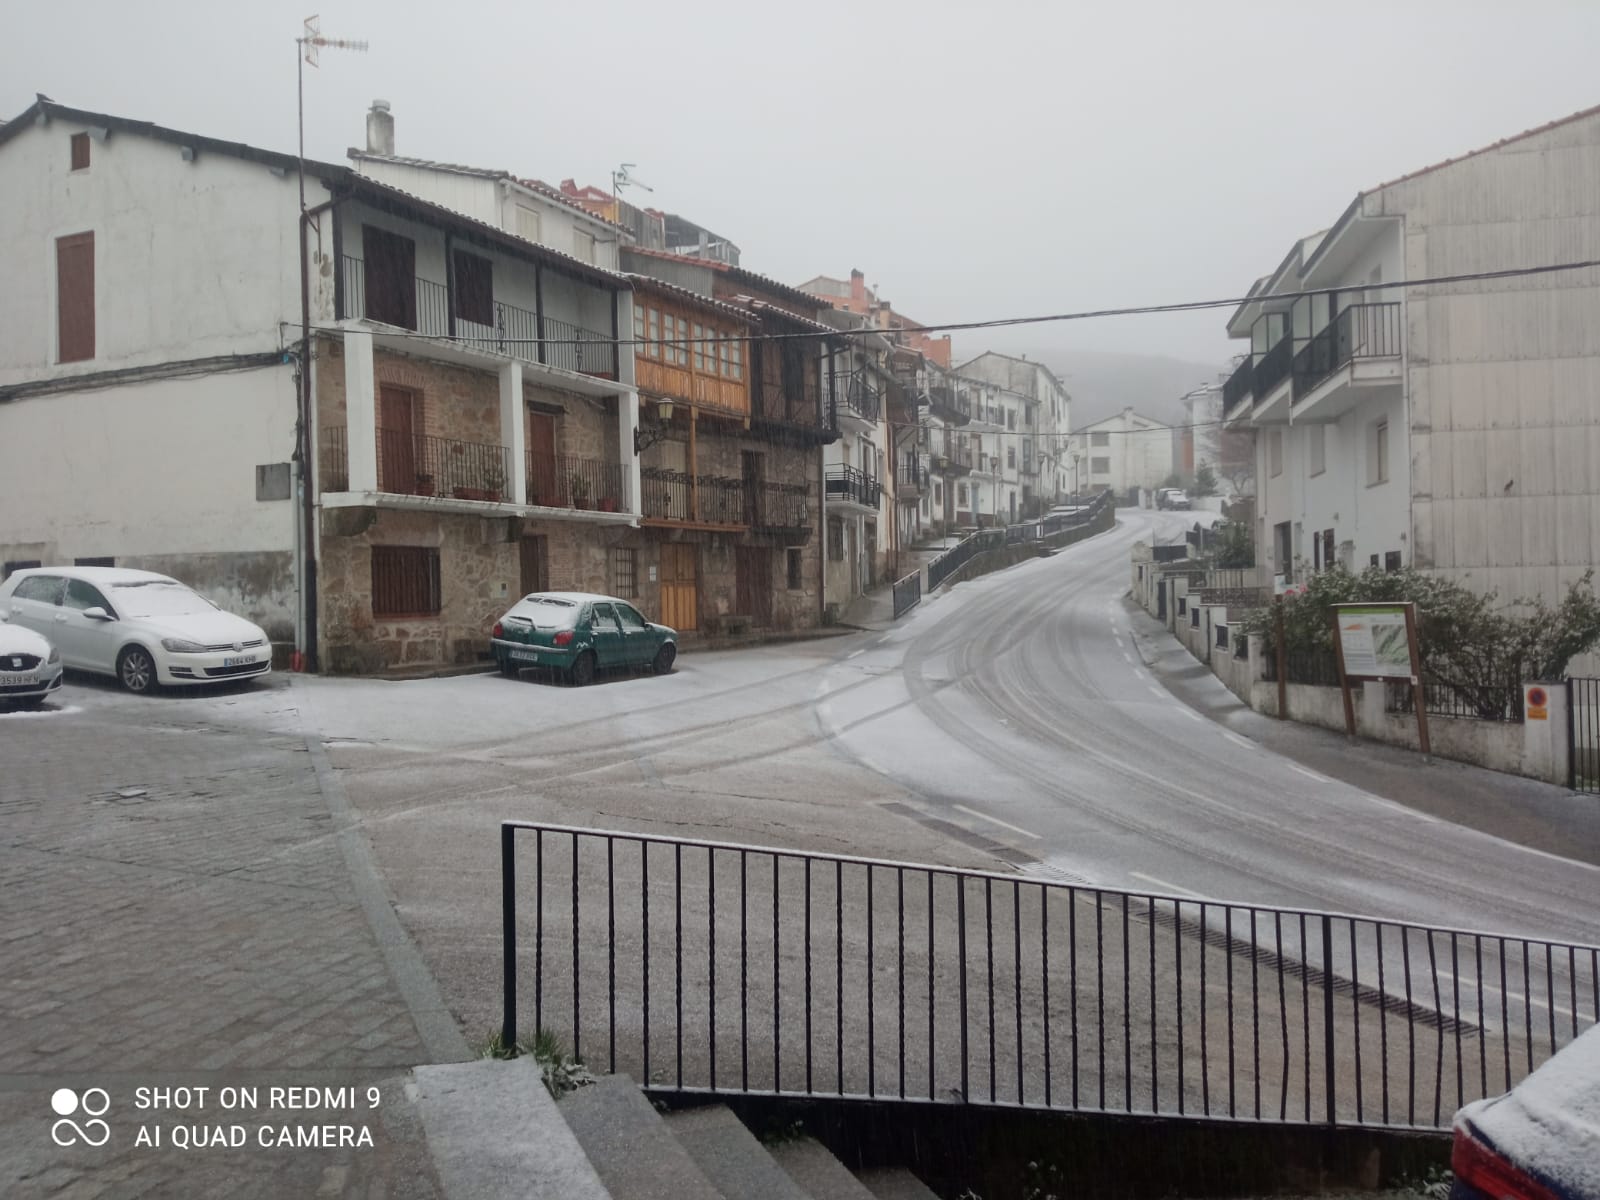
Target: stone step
632,1149
493,1130
820,1175
730,1156
895,1183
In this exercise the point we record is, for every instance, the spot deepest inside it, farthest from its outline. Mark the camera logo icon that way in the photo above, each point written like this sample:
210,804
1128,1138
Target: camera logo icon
93,1104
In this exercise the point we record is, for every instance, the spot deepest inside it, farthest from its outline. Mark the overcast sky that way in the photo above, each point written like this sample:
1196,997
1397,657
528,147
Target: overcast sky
976,160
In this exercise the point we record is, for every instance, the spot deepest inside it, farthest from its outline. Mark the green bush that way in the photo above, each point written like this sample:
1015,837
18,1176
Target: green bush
1467,639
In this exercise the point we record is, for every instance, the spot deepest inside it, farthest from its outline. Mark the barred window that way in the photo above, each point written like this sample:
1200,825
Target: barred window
797,574
625,572
405,581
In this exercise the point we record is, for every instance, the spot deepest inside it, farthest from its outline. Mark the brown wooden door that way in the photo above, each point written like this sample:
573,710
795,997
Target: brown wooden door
753,583
535,564
680,590
397,442
543,488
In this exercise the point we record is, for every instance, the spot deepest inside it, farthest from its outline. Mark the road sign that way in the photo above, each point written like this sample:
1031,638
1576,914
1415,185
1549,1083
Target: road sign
1536,703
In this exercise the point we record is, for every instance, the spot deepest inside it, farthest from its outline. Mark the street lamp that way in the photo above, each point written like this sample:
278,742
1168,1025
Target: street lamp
642,441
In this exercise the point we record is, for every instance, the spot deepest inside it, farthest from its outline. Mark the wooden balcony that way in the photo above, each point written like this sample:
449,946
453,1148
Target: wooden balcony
713,393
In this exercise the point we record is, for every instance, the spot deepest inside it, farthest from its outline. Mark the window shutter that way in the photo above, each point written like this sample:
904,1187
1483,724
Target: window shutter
75,298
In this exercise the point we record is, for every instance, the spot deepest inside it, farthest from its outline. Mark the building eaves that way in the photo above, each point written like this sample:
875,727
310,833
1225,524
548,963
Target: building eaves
744,275
660,287
1119,417
538,187
1505,141
365,187
50,110
764,310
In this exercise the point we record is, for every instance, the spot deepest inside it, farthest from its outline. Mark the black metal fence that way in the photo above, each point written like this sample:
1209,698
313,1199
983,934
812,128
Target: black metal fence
783,506
333,459
1499,700
1360,331
1316,667
907,593
851,483
516,331
710,967
1583,734
566,481
1044,530
961,553
678,496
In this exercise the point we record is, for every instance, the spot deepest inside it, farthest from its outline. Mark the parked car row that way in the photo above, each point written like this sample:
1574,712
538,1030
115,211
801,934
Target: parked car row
141,628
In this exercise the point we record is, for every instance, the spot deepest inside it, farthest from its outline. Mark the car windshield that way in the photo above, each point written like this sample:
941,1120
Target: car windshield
158,599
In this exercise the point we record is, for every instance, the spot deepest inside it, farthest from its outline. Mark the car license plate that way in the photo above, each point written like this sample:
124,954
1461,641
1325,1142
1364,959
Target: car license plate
244,660
525,655
10,679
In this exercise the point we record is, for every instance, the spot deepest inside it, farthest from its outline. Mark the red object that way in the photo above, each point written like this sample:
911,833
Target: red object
564,638
1537,697
1477,1165
297,661
497,631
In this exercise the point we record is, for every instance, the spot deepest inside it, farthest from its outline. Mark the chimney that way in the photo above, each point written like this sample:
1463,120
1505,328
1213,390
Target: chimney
380,129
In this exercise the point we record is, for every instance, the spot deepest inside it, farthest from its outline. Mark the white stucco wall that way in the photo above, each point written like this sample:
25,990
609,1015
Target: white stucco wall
1139,450
1504,379
162,471
192,259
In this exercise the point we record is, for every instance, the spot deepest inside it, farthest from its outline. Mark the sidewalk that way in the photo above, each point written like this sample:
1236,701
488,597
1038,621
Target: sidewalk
1525,811
185,906
874,610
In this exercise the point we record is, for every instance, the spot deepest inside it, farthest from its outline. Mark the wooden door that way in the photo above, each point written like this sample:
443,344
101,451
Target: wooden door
397,443
389,278
535,564
543,487
751,462
753,583
680,592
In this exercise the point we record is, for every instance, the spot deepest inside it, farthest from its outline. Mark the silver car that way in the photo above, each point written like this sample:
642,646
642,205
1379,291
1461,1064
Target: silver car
30,667
141,628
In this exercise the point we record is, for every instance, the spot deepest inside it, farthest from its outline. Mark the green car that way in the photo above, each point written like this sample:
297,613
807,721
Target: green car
578,634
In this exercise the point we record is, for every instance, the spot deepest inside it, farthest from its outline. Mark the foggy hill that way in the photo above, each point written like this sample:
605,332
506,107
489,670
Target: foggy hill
1102,383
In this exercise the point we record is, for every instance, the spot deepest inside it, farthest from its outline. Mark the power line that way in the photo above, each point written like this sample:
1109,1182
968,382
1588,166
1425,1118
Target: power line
1006,322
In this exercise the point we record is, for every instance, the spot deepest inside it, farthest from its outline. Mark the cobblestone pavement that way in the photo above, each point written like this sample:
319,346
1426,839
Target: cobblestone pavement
175,908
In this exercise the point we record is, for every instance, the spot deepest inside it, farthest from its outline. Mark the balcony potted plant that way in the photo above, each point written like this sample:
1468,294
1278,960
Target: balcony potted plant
424,484
578,489
609,504
494,482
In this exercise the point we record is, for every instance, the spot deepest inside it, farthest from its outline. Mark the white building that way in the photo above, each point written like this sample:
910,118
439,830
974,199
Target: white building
1035,412
1450,426
459,436
1124,452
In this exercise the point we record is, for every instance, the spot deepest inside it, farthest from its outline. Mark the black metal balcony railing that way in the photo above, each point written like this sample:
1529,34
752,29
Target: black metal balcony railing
949,454
1274,367
860,397
913,477
333,460
563,481
848,483
949,404
1239,385
782,506
674,495
515,330
414,464
1360,331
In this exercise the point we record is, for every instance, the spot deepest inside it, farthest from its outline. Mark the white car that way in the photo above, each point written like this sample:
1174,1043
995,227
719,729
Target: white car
145,629
30,667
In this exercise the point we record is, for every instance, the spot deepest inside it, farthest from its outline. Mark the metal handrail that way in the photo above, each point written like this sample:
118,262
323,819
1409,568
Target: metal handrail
1119,963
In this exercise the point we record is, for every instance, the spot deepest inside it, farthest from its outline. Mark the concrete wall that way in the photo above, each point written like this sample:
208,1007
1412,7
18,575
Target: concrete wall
160,475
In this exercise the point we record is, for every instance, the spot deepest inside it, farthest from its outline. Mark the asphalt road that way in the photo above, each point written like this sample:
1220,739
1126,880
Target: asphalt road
1020,704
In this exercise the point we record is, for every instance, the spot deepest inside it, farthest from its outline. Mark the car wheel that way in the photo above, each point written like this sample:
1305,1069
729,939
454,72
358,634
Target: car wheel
136,670
664,658
581,673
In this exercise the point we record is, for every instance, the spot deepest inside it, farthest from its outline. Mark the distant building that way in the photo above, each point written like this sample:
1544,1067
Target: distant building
1124,452
853,295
